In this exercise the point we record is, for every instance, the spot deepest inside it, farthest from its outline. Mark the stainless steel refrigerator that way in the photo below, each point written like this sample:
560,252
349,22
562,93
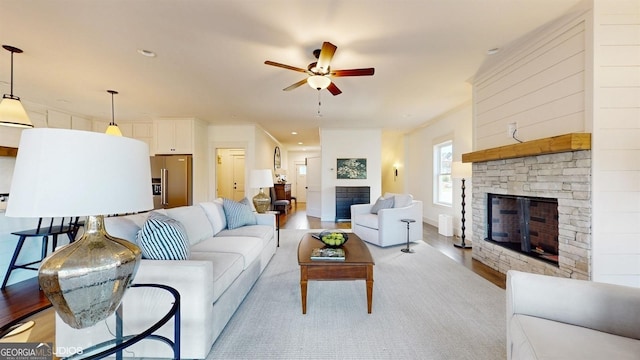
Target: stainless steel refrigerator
171,180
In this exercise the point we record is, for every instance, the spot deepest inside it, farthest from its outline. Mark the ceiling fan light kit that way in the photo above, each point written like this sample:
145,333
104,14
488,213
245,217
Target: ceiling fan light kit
319,72
318,82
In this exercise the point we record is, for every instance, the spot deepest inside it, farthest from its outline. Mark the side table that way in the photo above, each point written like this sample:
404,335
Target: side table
277,214
121,341
407,249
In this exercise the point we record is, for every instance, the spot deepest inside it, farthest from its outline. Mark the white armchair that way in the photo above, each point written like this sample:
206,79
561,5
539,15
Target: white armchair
385,228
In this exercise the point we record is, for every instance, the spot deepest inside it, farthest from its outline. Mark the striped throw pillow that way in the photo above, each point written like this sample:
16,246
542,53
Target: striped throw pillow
238,214
163,238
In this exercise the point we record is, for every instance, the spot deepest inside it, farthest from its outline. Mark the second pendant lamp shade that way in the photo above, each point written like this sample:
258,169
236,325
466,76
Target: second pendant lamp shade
113,128
11,111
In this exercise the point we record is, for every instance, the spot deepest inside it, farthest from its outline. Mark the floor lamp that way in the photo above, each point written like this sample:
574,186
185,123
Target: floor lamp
461,170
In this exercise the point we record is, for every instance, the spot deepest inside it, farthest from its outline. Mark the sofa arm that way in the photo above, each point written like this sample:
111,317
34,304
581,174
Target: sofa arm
266,219
599,306
196,295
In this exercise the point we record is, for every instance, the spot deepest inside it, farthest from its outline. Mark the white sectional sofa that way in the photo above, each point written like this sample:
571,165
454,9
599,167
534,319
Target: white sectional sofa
221,269
558,318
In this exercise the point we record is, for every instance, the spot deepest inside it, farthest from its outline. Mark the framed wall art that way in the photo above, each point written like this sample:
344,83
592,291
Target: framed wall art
352,168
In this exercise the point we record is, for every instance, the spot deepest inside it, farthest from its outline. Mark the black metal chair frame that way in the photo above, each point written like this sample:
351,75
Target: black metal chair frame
70,229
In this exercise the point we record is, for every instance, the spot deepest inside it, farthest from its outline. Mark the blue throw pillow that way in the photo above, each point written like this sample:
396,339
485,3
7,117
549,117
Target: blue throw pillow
238,214
163,238
382,203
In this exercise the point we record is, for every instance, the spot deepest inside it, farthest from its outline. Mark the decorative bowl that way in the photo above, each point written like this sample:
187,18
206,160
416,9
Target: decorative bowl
333,238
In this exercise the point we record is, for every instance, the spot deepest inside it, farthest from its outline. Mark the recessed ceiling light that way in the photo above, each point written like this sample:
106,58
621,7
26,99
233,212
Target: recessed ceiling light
493,51
299,142
147,53
294,133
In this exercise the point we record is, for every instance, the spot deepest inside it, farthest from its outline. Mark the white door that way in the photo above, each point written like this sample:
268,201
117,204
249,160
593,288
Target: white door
301,183
238,177
314,187
230,173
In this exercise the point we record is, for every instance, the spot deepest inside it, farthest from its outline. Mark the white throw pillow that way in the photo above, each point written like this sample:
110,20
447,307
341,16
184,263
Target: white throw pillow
215,214
400,200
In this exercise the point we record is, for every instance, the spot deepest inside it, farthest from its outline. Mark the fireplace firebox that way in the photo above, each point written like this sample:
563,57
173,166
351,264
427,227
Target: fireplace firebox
528,225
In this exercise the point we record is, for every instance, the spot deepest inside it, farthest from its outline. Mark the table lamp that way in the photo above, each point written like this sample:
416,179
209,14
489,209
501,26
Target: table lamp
69,173
261,179
460,170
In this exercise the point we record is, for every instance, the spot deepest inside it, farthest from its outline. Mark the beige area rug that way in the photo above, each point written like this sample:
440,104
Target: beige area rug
425,306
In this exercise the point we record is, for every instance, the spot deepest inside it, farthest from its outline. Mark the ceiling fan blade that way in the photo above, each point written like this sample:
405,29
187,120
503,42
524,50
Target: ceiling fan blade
272,63
299,83
354,72
326,54
333,89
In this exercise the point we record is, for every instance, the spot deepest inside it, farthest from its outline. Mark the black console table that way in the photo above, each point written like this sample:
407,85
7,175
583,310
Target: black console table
347,196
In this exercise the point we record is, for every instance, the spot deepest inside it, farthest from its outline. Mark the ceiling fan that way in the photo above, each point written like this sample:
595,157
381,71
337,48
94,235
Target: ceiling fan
320,71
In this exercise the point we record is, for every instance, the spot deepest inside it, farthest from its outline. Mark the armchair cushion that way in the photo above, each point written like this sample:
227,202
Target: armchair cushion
400,200
382,203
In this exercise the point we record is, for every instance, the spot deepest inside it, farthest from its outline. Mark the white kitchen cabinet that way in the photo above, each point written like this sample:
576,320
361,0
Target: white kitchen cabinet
173,136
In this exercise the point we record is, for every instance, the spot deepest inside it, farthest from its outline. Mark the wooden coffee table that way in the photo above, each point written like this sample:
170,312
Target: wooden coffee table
358,265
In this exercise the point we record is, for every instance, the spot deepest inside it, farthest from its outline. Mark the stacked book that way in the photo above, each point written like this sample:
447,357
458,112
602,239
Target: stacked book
327,254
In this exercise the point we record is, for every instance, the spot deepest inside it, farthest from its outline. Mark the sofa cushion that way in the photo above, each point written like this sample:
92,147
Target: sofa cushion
382,203
537,338
248,247
163,238
195,222
122,227
263,232
238,214
226,268
215,214
367,220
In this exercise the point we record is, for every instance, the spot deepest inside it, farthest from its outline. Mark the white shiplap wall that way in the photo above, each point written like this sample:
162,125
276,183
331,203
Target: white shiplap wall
580,74
616,142
540,87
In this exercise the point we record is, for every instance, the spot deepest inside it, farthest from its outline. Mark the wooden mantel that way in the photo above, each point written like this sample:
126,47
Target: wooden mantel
550,145
8,151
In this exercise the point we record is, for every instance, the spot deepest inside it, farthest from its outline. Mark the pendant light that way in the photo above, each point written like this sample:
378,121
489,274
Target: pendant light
113,128
11,111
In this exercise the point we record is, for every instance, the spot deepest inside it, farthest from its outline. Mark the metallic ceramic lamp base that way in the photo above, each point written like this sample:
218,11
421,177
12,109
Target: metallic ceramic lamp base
86,280
262,202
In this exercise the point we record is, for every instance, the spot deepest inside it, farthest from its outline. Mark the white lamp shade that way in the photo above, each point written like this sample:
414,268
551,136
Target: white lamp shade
13,114
78,173
460,170
318,82
262,178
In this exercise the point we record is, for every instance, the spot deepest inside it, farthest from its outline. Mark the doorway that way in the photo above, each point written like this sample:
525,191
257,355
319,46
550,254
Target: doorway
230,170
300,179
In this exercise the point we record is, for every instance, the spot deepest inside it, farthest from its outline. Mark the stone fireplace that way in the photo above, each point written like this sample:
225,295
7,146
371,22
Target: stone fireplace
564,173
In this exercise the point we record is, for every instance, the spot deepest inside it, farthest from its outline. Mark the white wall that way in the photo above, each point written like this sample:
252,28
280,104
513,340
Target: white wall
393,157
616,135
455,125
539,85
348,143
